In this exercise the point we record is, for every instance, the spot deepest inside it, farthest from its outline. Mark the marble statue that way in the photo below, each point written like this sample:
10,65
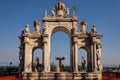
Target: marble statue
83,26
53,12
36,64
60,6
21,64
83,62
60,9
93,29
37,26
27,30
99,55
67,12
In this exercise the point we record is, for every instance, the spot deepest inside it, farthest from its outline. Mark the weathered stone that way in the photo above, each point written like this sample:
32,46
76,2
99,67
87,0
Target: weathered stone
68,24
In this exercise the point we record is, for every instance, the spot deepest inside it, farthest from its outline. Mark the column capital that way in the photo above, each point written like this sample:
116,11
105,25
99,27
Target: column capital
26,40
94,39
45,40
75,39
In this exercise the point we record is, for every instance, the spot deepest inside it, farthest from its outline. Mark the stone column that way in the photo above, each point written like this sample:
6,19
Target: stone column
27,63
75,48
42,56
75,55
45,55
71,58
57,68
30,59
95,59
91,58
48,56
88,61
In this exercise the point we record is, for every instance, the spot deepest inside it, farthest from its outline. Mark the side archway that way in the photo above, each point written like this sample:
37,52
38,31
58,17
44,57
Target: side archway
82,59
37,57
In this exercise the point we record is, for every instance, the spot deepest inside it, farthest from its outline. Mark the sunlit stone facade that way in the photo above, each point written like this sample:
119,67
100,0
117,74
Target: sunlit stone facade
60,20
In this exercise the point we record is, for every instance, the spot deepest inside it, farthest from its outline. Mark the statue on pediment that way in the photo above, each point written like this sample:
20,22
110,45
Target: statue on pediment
37,26
53,12
93,29
83,26
67,12
26,29
60,9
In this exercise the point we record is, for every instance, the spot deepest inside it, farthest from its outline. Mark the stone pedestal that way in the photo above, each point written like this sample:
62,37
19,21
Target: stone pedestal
57,68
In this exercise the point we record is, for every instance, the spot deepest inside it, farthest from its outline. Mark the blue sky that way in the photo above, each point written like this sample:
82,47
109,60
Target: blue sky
15,14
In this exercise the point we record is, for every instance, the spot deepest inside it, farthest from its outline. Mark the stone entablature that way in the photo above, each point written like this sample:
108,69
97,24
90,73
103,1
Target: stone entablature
58,21
61,19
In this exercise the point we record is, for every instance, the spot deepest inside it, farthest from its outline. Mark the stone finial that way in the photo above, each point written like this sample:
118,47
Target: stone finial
60,6
22,32
45,13
53,12
27,30
74,9
67,12
83,26
60,9
37,26
93,29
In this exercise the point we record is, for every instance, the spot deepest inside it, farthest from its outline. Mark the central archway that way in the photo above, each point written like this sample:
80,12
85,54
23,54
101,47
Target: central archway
60,47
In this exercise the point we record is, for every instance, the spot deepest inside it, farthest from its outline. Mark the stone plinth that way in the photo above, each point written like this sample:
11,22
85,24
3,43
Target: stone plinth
63,76
57,68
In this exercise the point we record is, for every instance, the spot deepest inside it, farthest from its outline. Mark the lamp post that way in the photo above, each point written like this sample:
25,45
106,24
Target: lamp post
10,67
